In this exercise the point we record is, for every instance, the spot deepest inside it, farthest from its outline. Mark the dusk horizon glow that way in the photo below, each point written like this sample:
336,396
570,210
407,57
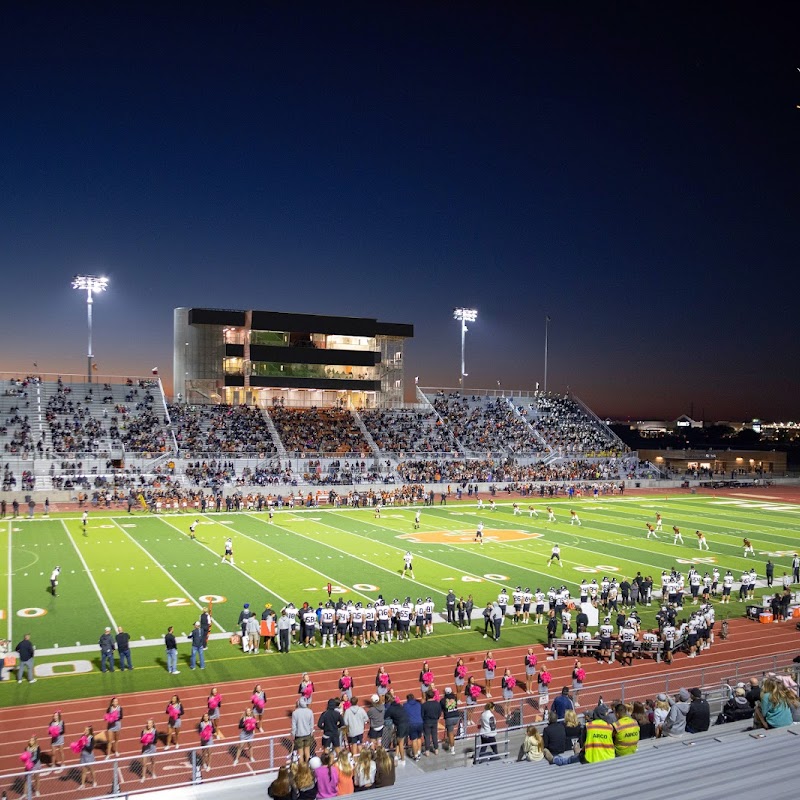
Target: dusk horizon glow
630,172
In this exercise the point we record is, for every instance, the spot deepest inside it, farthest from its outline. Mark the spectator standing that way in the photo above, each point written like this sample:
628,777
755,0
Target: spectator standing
196,637
106,644
375,711
398,716
302,730
284,631
431,712
488,733
172,651
355,720
123,641
25,649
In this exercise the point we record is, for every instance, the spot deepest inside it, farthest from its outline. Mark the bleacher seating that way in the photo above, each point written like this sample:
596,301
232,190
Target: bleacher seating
567,428
406,430
487,424
318,430
222,429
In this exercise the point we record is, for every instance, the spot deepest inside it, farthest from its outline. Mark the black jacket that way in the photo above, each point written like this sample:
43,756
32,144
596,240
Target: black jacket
555,737
123,642
698,717
25,650
330,720
398,715
431,711
169,641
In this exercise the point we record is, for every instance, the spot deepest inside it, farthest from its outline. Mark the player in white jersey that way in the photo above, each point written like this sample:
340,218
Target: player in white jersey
403,623
702,544
659,522
515,510
342,621
428,607
651,531
479,533
538,599
228,556
480,504
370,617
309,627
668,635
627,637
327,620
574,519
291,612
516,599
193,528
378,510
555,555
492,506
532,512
408,564
551,517
394,608
752,584
416,520
748,548
604,634
383,612
676,535
527,599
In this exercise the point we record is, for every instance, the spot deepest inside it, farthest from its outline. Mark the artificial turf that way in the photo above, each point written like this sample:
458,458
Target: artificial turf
144,573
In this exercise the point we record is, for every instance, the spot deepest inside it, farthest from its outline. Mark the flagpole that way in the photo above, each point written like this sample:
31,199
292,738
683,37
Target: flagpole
546,332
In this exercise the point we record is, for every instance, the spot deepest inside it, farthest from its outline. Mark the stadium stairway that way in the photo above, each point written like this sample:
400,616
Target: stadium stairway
366,434
719,762
273,432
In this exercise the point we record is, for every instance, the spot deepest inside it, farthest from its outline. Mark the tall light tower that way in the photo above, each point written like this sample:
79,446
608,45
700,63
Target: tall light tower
91,284
464,315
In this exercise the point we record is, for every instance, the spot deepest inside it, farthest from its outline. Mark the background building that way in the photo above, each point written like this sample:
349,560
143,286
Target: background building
266,357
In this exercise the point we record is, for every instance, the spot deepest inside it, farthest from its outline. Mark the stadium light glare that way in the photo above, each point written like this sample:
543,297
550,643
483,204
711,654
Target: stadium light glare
464,315
91,284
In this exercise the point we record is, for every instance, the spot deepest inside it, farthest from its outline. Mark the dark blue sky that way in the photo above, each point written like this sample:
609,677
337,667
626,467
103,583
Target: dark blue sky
632,169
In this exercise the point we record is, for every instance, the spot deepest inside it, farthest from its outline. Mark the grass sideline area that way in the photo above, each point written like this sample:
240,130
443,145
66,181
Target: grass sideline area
143,572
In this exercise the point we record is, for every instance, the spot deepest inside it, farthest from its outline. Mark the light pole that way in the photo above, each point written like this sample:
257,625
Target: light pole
92,285
464,315
546,332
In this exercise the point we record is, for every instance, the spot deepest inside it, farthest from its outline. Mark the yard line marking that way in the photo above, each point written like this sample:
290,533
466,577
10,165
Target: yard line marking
371,563
216,563
329,578
10,607
91,577
163,569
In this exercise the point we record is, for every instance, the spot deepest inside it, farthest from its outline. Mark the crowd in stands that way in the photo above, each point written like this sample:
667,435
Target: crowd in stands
566,427
221,429
489,470
26,482
88,426
16,430
318,430
486,424
408,431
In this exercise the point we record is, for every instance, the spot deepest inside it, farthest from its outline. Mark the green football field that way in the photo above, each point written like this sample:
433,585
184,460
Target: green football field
144,573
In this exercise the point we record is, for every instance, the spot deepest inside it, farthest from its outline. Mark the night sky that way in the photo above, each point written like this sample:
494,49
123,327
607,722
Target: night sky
630,169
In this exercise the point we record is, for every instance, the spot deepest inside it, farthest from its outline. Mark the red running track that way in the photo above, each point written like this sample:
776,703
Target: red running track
747,640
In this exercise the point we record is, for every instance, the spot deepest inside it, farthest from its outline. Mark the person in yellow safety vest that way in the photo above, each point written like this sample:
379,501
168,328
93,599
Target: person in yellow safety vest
599,742
626,732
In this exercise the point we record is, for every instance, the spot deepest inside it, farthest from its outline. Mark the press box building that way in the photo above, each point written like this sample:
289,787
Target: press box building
303,360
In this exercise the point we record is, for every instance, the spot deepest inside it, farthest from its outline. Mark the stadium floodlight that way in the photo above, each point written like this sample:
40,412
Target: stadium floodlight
464,315
91,284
